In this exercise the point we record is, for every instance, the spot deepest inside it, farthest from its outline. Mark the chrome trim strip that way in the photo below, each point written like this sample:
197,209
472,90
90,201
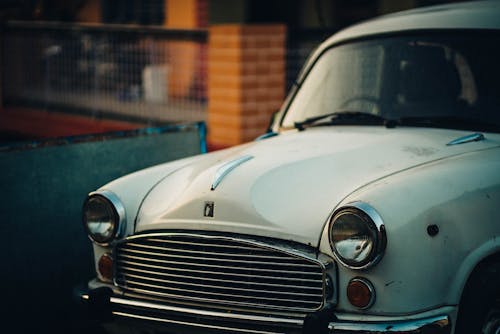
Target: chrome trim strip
242,289
218,301
192,324
416,326
467,139
219,273
192,243
272,285
227,168
311,256
204,265
274,320
198,258
218,307
205,253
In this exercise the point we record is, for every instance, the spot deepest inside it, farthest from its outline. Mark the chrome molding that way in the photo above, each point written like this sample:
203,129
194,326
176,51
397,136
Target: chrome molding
438,324
466,139
227,168
120,211
378,225
311,255
195,312
207,300
193,324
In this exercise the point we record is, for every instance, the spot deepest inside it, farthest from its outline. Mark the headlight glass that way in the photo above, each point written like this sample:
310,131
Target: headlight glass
101,217
357,236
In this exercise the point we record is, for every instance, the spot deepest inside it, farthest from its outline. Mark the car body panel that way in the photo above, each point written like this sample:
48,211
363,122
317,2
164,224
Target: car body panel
420,160
268,201
468,15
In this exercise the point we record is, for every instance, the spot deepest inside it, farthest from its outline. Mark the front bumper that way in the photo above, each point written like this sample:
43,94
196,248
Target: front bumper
106,306
435,325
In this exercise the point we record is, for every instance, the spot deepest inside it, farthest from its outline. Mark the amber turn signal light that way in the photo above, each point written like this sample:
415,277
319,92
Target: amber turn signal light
105,266
360,293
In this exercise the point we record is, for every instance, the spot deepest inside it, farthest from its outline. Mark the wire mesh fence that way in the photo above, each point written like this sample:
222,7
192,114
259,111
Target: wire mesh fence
147,74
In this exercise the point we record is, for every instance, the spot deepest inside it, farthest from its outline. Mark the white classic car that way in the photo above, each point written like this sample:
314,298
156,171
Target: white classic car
371,205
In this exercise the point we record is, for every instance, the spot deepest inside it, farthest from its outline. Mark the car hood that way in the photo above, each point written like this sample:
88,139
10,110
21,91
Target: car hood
290,184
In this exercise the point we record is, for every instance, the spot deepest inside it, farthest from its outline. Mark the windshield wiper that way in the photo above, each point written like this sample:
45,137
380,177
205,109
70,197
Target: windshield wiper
344,117
356,117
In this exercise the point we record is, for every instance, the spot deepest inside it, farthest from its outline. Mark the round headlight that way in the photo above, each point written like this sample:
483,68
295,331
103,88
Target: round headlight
103,214
357,236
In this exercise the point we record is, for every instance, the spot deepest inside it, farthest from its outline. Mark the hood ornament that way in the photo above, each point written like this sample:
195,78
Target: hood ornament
227,168
208,211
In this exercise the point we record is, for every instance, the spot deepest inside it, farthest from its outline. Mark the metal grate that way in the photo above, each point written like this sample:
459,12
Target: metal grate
131,73
215,271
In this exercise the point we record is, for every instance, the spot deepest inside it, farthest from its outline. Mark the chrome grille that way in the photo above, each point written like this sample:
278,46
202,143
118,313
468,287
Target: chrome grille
219,271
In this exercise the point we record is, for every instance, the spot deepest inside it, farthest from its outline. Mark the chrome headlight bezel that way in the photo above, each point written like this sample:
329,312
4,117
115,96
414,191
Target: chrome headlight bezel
116,211
371,224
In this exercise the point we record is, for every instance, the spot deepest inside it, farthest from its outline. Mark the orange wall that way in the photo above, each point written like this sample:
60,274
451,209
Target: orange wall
246,81
181,14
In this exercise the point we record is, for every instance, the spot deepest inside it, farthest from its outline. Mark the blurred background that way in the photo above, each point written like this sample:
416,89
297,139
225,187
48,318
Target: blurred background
87,66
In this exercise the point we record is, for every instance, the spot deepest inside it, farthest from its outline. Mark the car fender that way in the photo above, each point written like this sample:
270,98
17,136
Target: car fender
420,271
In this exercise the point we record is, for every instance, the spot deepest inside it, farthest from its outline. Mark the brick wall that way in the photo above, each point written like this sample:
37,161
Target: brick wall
246,81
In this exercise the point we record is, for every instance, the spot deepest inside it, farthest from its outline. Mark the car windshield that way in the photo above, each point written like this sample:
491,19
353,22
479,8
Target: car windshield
449,80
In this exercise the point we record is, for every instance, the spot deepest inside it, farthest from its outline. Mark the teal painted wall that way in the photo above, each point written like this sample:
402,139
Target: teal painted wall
45,252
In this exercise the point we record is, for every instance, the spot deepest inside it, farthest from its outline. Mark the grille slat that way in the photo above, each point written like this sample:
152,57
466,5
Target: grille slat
220,271
215,254
223,281
225,267
131,278
189,244
168,296
218,274
197,259
225,297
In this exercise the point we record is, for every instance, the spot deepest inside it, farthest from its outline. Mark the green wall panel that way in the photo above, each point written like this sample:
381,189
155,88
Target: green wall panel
45,251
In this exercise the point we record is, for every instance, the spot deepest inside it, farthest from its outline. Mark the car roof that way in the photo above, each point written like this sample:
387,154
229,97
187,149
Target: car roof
464,15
